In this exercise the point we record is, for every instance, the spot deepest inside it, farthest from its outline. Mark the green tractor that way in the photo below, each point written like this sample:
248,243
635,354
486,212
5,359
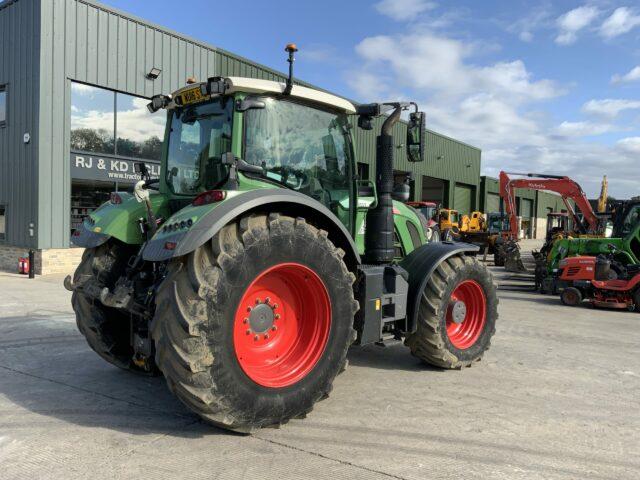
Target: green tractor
624,241
258,257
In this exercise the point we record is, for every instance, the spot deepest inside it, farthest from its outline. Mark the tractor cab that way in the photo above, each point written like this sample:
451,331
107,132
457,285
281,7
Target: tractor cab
496,223
428,209
557,224
229,135
234,134
449,219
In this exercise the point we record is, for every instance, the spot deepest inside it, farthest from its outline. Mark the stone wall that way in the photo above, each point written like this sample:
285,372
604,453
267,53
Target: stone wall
48,261
60,260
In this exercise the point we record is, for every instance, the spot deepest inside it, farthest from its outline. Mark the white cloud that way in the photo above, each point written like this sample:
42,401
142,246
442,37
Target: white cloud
526,25
621,21
632,75
570,23
136,123
584,129
494,106
402,10
609,107
630,145
426,61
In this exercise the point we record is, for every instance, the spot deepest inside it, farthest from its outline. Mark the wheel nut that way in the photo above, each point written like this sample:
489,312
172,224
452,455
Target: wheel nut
277,316
257,301
255,337
267,300
266,336
275,305
245,320
249,309
274,328
248,332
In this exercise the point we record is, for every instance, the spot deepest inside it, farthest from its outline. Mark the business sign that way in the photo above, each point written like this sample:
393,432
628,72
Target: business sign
106,168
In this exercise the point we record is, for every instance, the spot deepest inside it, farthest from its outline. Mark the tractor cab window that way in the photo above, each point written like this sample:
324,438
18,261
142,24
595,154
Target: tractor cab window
198,138
631,220
304,149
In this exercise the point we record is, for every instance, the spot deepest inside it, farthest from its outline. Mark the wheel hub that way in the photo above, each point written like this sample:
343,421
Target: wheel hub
261,318
282,325
458,311
466,314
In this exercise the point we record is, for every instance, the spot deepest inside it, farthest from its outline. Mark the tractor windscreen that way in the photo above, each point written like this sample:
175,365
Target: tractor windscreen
198,138
303,148
498,223
429,212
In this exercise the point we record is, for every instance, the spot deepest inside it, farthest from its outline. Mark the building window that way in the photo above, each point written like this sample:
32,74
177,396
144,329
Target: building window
3,223
110,131
138,133
3,105
92,119
109,123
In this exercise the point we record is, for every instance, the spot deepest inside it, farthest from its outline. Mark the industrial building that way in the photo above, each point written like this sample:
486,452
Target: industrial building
75,77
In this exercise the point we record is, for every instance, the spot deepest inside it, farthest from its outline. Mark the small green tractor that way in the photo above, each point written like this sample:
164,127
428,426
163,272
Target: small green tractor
259,257
624,240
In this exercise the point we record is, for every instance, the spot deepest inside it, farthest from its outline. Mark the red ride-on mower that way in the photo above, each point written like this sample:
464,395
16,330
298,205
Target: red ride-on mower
601,280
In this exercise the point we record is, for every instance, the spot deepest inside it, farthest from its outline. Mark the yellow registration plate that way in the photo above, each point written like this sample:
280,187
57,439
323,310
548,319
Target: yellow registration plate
193,95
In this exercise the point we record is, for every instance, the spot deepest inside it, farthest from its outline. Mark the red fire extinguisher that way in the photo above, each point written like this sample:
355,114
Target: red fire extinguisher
23,265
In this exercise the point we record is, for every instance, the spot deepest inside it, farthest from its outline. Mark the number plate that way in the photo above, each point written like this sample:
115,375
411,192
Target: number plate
193,95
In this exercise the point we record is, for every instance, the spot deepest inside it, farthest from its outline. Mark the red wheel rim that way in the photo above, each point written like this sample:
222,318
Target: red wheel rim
466,314
282,325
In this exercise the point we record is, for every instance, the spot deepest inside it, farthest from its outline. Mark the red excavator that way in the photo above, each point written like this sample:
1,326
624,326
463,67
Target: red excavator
508,253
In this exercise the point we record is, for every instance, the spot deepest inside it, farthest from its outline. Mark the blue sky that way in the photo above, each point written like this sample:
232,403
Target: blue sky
539,86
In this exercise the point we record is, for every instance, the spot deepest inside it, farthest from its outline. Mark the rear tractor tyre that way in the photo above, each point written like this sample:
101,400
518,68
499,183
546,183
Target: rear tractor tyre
252,327
457,314
571,296
106,329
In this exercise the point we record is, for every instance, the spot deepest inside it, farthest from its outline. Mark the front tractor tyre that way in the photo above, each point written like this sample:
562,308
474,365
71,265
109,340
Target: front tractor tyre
252,327
457,314
571,296
106,329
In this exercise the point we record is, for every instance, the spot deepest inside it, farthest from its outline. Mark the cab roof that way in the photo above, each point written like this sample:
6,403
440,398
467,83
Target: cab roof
254,85
258,86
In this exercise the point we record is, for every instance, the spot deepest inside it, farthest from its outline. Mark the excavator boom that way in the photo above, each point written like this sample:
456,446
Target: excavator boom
566,187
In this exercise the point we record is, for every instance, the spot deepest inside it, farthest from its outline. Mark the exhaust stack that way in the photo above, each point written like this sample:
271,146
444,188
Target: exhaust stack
378,237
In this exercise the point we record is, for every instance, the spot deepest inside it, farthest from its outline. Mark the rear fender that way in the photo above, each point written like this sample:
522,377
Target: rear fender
119,221
420,264
279,200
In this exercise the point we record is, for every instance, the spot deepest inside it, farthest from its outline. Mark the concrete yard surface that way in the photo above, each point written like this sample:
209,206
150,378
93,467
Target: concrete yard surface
556,397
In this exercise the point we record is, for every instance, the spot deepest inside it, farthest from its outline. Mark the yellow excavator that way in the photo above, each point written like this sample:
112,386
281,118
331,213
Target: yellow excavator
473,223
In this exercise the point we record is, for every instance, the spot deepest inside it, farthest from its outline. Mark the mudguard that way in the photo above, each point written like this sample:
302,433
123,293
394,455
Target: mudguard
420,264
86,238
276,199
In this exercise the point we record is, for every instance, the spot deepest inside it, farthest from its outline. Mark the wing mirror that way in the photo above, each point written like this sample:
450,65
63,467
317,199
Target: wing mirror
158,102
415,137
